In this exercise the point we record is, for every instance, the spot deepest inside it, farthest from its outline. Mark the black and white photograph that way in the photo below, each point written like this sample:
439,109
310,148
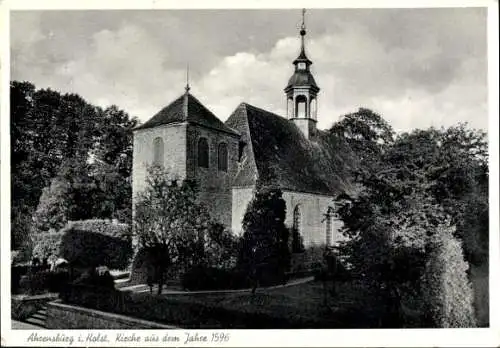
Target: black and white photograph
202,171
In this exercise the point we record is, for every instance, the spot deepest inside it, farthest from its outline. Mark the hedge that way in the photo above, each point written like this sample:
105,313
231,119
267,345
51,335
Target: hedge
92,243
447,292
118,234
41,282
188,312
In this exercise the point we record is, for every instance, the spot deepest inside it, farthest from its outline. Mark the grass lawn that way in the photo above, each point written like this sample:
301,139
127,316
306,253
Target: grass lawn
304,301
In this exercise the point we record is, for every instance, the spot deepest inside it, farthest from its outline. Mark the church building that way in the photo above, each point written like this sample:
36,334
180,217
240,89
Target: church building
226,159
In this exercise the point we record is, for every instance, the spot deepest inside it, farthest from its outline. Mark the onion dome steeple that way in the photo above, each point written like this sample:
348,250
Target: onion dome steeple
301,90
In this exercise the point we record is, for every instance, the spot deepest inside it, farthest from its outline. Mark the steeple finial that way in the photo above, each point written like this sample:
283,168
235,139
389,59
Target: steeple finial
185,106
303,32
303,26
187,79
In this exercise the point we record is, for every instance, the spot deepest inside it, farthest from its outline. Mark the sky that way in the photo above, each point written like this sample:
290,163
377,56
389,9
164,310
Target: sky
415,67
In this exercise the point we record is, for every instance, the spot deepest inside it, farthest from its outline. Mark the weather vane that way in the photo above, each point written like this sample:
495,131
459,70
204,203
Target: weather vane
303,26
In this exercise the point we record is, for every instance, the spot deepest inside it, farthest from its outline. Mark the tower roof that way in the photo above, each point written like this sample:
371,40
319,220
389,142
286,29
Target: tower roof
186,108
302,78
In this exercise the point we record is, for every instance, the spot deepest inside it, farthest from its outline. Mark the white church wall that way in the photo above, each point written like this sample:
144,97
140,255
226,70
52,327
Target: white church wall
313,207
313,221
241,198
174,153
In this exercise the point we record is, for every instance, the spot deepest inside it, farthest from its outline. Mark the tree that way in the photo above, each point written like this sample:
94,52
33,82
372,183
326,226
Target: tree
404,199
55,135
52,211
167,217
366,134
25,183
112,164
264,247
447,292
46,128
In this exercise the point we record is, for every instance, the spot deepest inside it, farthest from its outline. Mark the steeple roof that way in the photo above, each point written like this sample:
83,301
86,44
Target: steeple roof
186,108
302,77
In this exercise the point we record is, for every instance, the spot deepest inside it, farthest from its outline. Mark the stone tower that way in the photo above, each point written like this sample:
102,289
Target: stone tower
190,142
301,91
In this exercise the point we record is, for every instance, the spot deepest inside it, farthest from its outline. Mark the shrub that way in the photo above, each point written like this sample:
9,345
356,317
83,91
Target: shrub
21,256
57,280
151,263
92,278
34,283
221,248
47,243
448,295
310,259
210,278
106,227
92,243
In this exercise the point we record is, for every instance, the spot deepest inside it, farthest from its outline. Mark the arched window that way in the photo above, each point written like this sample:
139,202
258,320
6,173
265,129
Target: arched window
222,157
297,240
158,149
203,153
313,106
329,227
301,106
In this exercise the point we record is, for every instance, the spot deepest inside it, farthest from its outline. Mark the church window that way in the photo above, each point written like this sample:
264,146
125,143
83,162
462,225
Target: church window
302,66
203,153
313,106
297,240
301,104
222,157
158,149
329,226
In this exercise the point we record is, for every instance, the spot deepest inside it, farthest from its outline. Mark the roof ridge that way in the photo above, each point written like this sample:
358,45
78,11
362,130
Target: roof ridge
186,108
263,110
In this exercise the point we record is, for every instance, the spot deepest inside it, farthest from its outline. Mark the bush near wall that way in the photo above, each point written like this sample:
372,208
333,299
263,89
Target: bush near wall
42,281
92,243
311,259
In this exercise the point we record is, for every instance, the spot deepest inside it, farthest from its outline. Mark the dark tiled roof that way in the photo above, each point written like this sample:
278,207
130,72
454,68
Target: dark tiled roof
197,113
278,153
302,78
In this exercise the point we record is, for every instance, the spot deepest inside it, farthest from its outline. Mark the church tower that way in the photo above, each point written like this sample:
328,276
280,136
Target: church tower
301,91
